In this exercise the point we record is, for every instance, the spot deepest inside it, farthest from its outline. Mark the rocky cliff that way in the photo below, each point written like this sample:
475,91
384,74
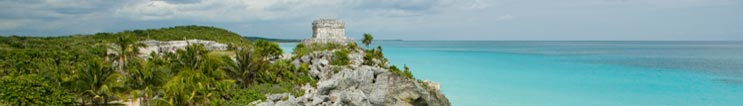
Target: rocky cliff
357,85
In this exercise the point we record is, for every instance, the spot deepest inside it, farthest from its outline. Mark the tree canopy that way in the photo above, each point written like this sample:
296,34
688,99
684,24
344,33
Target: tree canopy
368,38
97,69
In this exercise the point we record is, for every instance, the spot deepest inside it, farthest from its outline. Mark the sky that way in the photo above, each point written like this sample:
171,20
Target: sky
391,19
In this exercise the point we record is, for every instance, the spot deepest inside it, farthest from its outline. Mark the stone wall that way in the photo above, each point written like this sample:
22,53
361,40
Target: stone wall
160,47
328,31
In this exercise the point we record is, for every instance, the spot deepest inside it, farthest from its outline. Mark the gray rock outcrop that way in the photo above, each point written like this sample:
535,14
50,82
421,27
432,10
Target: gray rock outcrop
357,85
354,84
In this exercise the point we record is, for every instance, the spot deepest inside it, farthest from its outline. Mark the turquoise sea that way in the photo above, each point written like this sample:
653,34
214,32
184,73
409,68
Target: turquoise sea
576,73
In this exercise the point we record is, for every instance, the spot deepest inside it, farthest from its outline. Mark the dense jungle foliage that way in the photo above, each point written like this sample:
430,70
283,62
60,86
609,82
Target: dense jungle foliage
81,70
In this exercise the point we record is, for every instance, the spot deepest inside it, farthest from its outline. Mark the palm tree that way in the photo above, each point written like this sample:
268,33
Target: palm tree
98,81
269,50
190,58
125,48
244,68
199,79
189,88
144,78
367,39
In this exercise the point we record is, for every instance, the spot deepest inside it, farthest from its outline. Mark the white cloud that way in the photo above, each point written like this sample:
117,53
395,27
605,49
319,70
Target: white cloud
474,5
387,18
505,17
10,24
639,3
251,10
44,16
220,10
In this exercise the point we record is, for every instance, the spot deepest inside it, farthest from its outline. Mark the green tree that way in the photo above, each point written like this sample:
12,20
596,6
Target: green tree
193,87
145,77
97,82
125,48
367,39
31,90
190,58
245,67
283,71
199,81
269,50
184,89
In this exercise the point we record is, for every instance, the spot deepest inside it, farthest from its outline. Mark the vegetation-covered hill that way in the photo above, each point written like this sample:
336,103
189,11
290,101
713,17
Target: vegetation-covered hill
78,70
20,52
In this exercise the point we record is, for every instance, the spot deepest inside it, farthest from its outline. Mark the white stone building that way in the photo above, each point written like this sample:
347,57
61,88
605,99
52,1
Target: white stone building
160,47
328,31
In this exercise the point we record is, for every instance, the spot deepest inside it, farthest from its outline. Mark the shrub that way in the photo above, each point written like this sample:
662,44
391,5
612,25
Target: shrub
396,71
267,49
302,49
370,55
407,72
340,57
283,71
30,90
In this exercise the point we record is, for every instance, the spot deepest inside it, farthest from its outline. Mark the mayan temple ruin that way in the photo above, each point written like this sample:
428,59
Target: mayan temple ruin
328,31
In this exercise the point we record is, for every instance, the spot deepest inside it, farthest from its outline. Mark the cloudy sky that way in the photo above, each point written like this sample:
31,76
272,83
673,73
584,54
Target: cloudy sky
392,19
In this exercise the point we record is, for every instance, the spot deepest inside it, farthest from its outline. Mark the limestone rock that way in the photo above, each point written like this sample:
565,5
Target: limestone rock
354,84
358,85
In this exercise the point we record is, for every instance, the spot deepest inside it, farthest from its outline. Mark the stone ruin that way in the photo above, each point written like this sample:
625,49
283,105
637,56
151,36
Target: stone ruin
160,47
328,31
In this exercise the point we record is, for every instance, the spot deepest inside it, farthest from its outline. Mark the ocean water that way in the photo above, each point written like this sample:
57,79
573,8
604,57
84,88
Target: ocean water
576,73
